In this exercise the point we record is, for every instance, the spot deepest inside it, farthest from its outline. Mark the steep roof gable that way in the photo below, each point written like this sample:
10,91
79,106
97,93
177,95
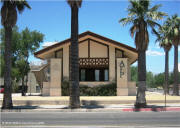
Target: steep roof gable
82,35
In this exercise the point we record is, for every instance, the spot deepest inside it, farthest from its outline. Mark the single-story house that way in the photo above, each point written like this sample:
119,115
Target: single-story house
101,61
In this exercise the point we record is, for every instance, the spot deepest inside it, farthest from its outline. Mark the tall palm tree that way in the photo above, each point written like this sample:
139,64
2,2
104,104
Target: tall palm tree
74,55
8,20
174,31
141,16
166,44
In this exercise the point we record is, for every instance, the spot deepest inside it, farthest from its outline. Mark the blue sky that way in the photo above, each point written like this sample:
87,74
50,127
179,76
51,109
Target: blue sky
53,18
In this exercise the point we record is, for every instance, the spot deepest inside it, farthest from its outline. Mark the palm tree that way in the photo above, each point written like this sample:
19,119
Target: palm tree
142,16
174,31
74,55
166,44
8,20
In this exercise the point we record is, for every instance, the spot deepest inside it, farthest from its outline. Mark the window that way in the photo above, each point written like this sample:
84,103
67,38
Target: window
106,75
97,75
82,78
94,74
119,53
59,54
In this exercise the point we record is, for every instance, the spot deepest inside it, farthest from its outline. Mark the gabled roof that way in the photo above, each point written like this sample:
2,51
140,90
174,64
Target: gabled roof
82,35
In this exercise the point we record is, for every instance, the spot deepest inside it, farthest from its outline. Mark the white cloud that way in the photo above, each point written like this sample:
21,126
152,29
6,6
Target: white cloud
179,67
37,63
154,53
179,48
46,44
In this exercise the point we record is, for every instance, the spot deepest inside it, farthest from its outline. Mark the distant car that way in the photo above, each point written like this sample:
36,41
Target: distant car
1,90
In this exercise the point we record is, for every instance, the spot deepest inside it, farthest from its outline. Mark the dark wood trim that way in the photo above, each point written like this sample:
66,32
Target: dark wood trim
82,41
55,53
116,49
101,44
88,48
98,42
82,35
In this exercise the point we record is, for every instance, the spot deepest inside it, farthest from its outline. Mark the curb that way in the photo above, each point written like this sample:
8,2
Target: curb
172,109
150,109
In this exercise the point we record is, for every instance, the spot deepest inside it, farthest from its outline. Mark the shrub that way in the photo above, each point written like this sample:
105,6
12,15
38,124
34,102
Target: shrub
100,90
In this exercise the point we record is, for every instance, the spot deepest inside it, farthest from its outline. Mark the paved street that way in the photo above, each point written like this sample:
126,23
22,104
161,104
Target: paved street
91,119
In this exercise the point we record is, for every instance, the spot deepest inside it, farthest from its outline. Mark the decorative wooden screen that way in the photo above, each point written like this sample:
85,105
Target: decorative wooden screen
93,62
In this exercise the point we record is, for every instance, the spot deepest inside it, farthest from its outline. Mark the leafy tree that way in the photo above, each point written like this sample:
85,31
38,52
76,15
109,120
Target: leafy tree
30,42
150,79
173,24
24,44
159,80
8,20
141,16
134,72
150,76
74,57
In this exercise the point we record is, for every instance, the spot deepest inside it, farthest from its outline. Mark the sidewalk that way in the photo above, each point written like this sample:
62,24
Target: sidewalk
93,108
155,102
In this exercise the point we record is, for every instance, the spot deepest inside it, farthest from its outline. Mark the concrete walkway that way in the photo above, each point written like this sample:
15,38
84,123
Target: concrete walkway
94,108
151,97
155,101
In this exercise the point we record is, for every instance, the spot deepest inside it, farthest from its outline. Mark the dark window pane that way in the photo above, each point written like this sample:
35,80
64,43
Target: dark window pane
106,75
97,75
83,73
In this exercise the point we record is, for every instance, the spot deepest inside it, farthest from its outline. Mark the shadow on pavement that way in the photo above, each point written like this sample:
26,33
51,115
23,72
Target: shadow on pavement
153,108
88,105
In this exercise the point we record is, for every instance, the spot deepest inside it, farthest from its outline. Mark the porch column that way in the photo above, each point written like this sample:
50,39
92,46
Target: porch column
55,80
122,76
111,63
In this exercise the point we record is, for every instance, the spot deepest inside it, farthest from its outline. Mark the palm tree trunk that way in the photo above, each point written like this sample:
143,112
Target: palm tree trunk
7,98
140,97
175,87
74,60
22,89
166,87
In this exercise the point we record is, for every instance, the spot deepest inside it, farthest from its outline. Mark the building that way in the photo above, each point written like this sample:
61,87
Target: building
101,61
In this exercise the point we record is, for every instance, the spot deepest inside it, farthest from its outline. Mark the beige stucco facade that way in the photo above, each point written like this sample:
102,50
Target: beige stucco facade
98,56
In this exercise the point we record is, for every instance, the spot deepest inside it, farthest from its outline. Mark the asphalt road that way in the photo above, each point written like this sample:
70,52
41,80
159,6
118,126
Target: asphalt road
91,119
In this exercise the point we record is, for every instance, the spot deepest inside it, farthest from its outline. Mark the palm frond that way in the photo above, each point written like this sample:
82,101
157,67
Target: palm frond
75,2
155,8
134,29
21,4
126,21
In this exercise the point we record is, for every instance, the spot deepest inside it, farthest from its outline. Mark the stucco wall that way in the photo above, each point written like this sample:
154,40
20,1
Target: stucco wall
55,81
83,49
111,63
98,50
66,61
31,83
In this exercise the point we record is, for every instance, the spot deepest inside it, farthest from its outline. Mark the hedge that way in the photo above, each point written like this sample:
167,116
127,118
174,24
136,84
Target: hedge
100,90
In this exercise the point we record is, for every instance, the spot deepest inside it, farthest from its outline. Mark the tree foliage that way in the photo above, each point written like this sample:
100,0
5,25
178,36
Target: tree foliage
153,80
25,42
